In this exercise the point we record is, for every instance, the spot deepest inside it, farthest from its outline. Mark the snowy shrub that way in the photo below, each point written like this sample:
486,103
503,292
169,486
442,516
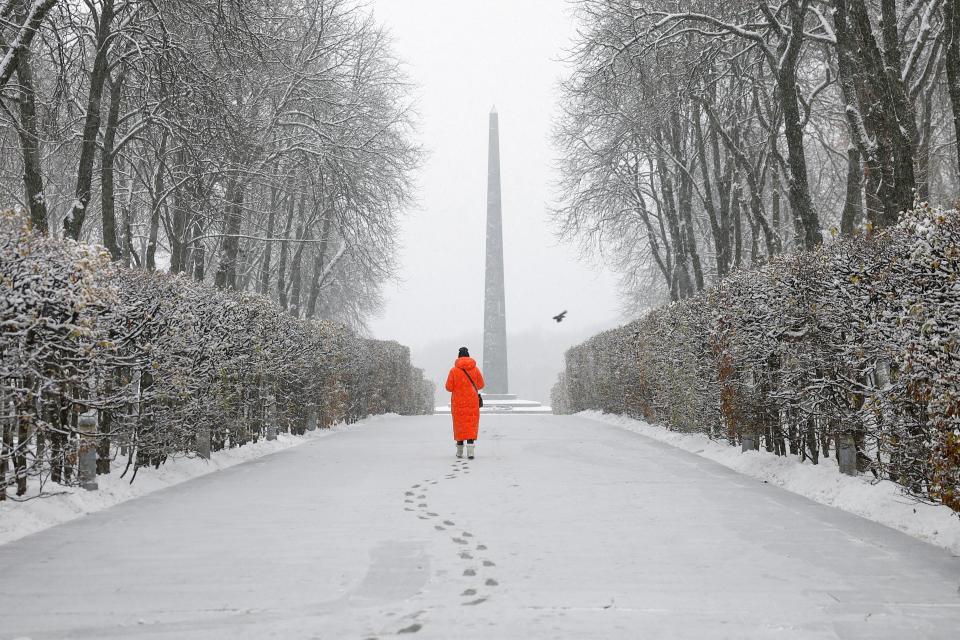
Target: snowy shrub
857,342
171,367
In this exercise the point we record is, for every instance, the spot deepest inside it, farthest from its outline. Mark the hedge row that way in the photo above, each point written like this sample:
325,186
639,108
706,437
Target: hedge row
858,340
170,367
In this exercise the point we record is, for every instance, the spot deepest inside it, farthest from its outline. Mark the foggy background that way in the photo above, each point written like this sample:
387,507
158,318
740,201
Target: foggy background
465,58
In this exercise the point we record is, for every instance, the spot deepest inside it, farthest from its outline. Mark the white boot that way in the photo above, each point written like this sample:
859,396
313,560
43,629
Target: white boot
459,450
470,451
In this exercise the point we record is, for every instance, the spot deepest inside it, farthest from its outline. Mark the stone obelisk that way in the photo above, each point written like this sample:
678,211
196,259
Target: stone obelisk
494,307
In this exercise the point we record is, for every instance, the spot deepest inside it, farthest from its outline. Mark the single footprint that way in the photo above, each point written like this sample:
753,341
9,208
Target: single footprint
469,592
433,482
491,582
421,496
467,534
449,523
474,602
422,504
481,547
423,517
414,486
432,514
416,626
460,541
469,572
439,527
407,509
408,493
466,555
408,501
488,563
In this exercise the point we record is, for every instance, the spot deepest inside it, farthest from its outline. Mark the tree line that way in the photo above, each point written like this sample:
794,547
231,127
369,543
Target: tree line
166,366
259,145
697,137
852,344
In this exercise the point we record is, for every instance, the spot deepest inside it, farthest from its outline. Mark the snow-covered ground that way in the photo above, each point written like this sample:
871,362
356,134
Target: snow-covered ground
563,527
880,501
18,519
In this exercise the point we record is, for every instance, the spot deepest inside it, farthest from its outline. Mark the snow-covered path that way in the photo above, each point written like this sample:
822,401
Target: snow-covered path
561,528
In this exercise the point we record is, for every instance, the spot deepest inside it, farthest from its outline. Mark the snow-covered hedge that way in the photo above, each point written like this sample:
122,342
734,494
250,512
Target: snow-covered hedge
171,367
857,341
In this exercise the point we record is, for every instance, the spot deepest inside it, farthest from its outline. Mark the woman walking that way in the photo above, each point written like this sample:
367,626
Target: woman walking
464,383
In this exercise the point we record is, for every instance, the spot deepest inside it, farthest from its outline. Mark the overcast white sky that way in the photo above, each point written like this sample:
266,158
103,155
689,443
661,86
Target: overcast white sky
466,57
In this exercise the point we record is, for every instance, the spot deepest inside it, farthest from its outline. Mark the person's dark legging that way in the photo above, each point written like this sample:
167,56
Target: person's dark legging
460,442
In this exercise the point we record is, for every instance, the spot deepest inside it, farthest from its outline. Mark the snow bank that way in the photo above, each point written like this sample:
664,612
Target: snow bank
881,501
19,519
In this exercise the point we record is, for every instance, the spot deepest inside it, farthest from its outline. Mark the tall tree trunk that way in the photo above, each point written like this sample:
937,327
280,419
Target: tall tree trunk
720,240
736,220
680,281
6,447
105,427
798,185
951,11
879,110
853,208
296,273
199,253
73,224
723,175
678,137
177,234
264,286
922,146
30,144
20,458
227,272
157,205
107,163
285,252
776,220
318,266
753,182
127,254
178,231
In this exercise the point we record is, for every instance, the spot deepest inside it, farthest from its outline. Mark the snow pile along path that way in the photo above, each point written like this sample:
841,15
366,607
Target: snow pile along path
881,501
19,519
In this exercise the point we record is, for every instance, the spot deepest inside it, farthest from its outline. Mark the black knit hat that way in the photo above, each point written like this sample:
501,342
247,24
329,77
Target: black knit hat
463,353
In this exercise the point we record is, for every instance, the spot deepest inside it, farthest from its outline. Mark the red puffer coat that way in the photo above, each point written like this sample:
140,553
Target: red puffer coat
464,404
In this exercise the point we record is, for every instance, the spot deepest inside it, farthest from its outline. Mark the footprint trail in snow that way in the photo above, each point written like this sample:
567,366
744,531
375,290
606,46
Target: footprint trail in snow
479,586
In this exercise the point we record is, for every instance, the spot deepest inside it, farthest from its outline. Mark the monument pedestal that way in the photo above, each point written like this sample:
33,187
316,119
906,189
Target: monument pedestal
505,403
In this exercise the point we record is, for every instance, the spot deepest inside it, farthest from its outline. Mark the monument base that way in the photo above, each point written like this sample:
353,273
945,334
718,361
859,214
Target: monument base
505,403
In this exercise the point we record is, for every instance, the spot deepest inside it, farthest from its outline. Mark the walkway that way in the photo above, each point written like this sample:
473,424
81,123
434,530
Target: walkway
561,528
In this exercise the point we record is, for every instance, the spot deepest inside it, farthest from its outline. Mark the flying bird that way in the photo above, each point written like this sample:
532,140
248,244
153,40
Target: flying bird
560,316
